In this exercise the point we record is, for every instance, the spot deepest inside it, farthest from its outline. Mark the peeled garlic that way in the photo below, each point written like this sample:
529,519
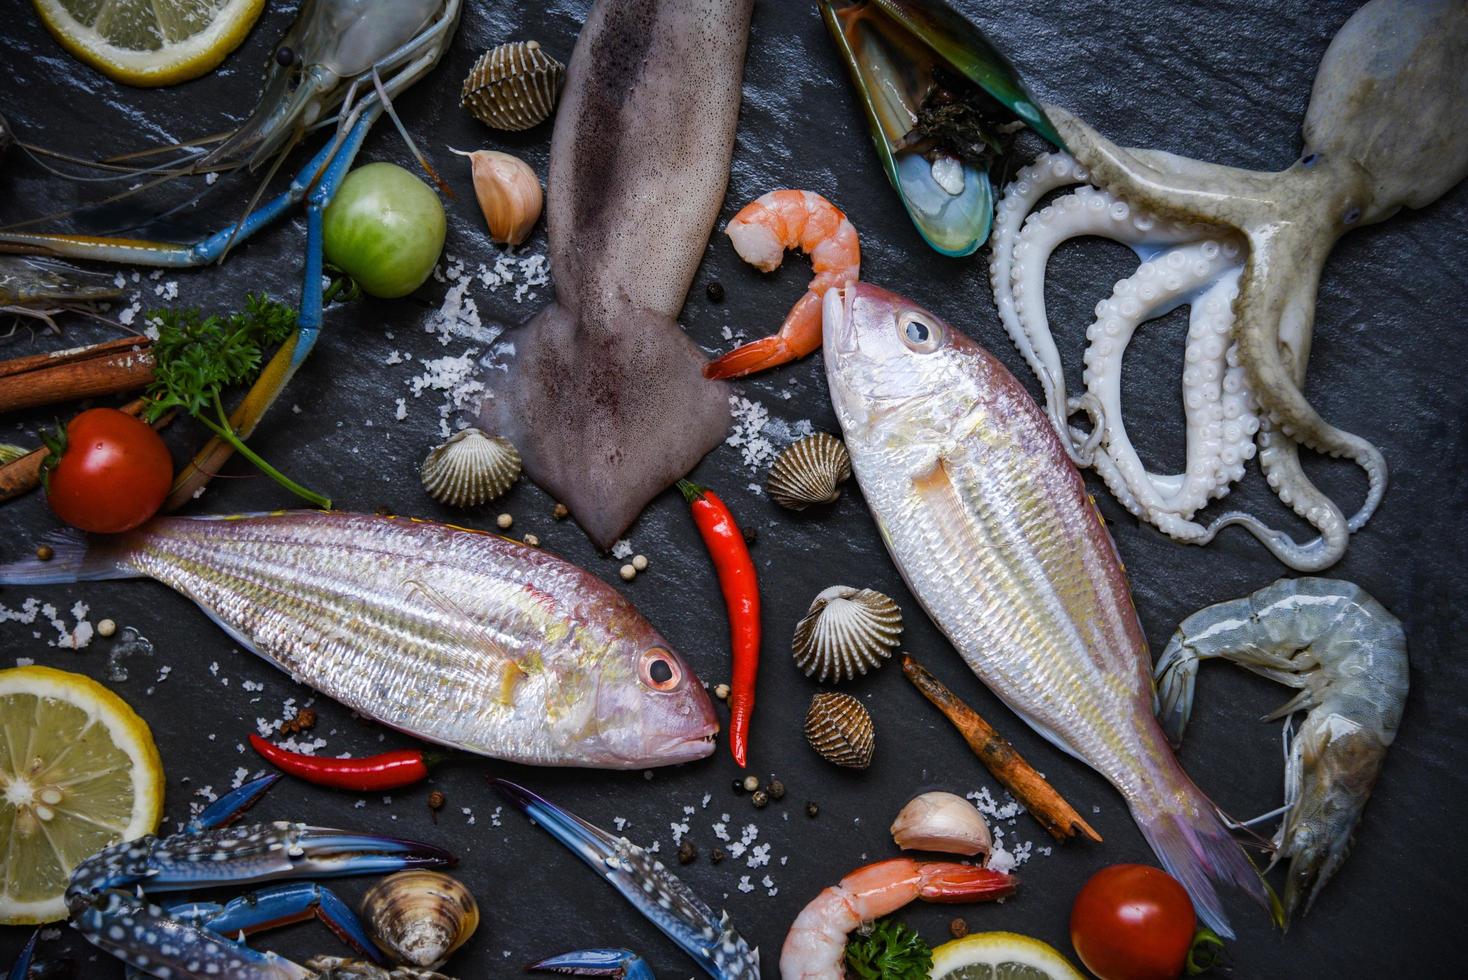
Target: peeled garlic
509,194
942,822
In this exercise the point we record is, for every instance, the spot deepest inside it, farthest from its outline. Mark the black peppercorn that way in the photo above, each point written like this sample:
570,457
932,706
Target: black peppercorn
738,787
687,852
759,798
811,810
715,292
777,789
716,855
958,928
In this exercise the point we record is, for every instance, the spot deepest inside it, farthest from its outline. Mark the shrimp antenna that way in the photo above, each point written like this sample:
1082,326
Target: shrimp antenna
285,151
116,172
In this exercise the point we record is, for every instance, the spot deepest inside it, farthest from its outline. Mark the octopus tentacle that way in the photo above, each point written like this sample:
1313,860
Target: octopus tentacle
1276,316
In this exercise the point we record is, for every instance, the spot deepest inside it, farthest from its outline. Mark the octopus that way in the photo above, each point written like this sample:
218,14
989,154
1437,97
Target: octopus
1245,250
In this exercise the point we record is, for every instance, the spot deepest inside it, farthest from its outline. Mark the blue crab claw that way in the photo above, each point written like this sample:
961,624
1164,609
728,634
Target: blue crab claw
248,854
603,962
281,905
939,99
228,808
653,890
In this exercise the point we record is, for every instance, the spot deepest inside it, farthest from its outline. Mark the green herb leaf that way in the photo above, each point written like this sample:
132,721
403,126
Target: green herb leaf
891,951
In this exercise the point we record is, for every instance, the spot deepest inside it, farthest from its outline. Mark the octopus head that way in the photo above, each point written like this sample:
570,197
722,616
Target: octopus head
1390,96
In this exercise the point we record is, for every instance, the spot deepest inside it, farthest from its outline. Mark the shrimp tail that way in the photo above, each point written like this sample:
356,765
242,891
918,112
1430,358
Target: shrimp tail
799,335
1196,847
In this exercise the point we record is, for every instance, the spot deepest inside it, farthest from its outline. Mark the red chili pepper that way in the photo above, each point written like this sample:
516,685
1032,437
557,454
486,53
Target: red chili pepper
390,770
735,568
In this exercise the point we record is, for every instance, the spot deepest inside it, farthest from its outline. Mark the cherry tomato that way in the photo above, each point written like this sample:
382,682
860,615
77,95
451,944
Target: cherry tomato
112,475
1132,922
384,228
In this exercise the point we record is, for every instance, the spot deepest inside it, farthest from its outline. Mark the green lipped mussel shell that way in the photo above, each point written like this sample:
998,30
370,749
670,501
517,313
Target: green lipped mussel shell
934,91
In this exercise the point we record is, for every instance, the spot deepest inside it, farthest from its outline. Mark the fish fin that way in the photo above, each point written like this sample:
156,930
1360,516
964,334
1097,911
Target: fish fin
482,637
607,410
76,557
1197,849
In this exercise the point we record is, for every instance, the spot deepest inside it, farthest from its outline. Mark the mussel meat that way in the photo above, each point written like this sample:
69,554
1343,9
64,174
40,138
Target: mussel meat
941,102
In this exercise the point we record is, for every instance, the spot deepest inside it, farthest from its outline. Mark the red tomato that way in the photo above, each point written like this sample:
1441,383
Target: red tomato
1132,922
113,473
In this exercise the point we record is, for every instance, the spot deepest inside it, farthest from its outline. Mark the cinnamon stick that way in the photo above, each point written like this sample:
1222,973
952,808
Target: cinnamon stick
108,368
24,474
1025,784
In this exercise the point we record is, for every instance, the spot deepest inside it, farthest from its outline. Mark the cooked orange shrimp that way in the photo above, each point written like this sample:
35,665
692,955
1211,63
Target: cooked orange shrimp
815,948
761,233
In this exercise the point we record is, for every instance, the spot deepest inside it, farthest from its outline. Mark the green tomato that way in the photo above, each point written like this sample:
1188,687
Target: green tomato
385,229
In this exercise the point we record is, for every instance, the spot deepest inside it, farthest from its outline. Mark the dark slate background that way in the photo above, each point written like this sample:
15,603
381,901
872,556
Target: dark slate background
1220,81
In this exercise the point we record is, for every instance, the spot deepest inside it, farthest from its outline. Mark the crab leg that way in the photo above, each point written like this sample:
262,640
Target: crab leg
665,900
228,808
277,906
602,962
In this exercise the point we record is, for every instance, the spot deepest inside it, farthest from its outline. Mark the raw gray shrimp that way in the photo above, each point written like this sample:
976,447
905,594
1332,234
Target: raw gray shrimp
40,288
1347,656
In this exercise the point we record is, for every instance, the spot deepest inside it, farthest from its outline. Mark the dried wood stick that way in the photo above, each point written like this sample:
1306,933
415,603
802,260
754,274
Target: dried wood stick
118,365
994,751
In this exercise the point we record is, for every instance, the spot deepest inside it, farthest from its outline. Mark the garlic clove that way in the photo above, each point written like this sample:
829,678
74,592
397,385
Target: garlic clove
942,822
509,194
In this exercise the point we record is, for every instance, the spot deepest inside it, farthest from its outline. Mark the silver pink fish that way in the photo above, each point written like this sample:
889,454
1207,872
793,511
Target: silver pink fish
993,531
458,637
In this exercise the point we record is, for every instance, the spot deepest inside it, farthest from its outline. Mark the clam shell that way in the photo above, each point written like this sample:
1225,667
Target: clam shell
472,468
513,86
418,918
809,471
839,728
846,632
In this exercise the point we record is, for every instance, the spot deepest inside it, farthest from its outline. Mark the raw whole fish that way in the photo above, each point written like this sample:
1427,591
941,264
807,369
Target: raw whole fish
991,527
458,637
605,397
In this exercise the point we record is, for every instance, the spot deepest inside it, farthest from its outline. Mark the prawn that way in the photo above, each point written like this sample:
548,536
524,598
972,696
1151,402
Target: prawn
1348,657
761,232
815,947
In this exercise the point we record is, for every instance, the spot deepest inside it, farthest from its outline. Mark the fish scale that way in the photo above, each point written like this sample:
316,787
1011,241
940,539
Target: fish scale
459,637
991,527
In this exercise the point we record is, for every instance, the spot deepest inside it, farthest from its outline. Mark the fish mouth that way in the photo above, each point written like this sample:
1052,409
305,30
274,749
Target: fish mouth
837,307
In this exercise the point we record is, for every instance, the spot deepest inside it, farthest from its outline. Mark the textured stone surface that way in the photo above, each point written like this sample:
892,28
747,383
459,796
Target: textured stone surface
1227,82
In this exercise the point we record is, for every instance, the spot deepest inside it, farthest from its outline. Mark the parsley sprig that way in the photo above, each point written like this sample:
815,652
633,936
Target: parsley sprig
196,357
891,951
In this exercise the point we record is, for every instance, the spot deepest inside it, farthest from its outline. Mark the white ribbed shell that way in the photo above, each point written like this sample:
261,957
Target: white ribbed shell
809,471
472,468
839,728
513,86
846,632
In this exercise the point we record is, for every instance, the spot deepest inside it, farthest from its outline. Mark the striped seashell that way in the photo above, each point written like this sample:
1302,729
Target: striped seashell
419,917
846,632
472,468
809,471
513,86
839,728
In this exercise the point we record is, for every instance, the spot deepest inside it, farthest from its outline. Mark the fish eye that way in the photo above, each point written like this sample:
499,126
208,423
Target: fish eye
919,333
659,670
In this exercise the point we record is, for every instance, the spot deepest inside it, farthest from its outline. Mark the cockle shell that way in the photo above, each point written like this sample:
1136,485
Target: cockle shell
419,918
846,632
472,468
809,471
513,86
839,728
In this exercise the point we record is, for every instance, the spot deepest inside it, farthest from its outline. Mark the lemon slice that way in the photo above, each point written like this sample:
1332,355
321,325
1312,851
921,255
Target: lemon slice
1000,956
78,771
150,42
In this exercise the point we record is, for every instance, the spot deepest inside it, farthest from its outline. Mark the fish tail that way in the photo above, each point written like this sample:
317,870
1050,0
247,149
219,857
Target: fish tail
1196,847
75,557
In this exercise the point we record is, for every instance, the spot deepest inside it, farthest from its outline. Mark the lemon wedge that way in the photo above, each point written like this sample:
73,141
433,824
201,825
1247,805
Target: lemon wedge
1000,956
150,42
78,771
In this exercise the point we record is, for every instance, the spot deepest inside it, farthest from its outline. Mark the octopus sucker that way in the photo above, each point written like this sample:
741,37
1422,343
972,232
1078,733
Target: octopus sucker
1382,132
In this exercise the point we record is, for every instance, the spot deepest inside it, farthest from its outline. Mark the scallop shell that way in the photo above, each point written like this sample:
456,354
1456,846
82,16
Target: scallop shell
839,728
419,918
513,86
809,471
846,632
472,468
